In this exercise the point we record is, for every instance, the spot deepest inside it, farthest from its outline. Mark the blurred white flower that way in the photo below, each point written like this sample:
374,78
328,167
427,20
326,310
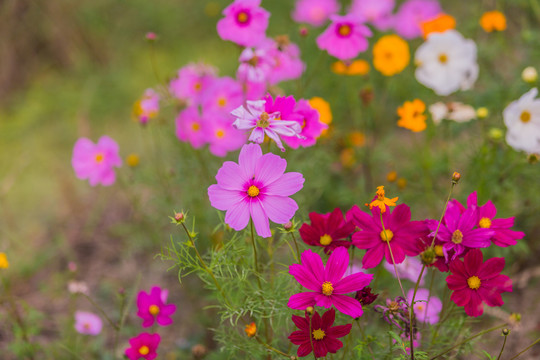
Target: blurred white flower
522,118
455,111
78,287
446,62
529,74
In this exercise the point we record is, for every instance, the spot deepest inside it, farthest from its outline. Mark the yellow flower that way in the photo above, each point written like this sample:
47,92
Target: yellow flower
357,67
132,160
493,21
357,139
391,55
439,24
411,115
382,201
251,329
482,112
4,263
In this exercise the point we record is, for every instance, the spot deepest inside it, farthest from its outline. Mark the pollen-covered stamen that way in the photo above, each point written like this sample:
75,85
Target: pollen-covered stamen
439,250
153,309
443,58
457,237
319,334
344,30
386,235
220,133
474,282
197,86
253,191
195,126
485,223
144,350
327,288
254,61
325,240
99,157
242,17
222,102
525,116
263,121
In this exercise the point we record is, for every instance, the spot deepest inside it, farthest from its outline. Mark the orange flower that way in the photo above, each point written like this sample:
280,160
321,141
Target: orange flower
323,108
357,67
391,55
440,23
411,115
493,21
381,201
357,139
391,176
251,329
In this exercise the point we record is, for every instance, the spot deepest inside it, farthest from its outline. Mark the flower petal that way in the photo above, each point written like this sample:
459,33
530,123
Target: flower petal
336,265
302,300
260,219
347,305
352,283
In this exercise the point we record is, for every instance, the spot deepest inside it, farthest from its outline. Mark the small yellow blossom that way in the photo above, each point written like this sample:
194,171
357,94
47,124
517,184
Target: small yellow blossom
411,115
391,55
357,139
251,329
482,112
382,201
4,263
391,176
439,24
493,21
357,67
132,160
529,75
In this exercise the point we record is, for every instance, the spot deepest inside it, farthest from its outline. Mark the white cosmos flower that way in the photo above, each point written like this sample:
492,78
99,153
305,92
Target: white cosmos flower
455,111
446,62
522,118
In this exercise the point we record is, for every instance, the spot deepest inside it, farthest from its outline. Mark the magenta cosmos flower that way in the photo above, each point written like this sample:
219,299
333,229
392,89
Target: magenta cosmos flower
327,284
308,119
399,232
327,230
266,117
376,12
143,346
345,38
152,307
317,334
245,22
255,188
96,162
475,282
412,14
314,12
222,136
426,307
191,82
87,323
190,127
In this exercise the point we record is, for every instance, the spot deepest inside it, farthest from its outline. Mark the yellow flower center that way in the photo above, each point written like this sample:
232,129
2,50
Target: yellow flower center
222,102
484,223
263,120
457,237
325,239
253,191
474,282
86,326
144,350
195,126
443,58
99,157
319,334
327,288
153,309
387,235
254,61
220,133
197,86
525,116
344,30
242,17
438,250
393,306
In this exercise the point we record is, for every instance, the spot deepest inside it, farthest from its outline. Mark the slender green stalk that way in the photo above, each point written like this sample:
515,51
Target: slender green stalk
255,261
272,348
502,349
469,339
526,349
296,245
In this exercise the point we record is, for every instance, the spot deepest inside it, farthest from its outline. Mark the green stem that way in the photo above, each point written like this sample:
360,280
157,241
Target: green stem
296,245
502,349
255,261
526,349
272,348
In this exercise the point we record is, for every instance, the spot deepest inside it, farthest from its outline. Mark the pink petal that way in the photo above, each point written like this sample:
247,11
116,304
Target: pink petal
461,297
288,184
352,283
347,305
249,155
302,300
237,216
366,239
491,268
279,209
373,257
269,168
474,307
473,262
339,331
313,263
229,177
305,277
336,265
260,219
223,199
324,301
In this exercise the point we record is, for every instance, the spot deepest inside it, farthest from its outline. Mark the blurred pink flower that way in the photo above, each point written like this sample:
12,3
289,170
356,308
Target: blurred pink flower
245,22
192,81
96,162
376,12
409,269
254,90
87,323
255,65
255,188
312,127
286,64
427,307
345,37
314,12
78,287
224,94
152,306
143,346
148,106
190,127
222,136
411,14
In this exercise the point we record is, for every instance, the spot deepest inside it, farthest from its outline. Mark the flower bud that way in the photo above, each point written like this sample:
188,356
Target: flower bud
456,177
179,217
303,31
151,36
505,331
199,351
366,95
482,112
533,158
428,256
495,134
251,329
365,296
529,75
515,317
289,226
310,310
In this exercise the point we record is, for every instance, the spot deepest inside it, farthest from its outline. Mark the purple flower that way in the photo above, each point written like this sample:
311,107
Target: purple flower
191,128
222,136
411,14
396,312
245,22
223,95
345,38
327,284
152,306
255,65
87,323
192,81
427,307
376,12
314,12
96,162
255,188
143,346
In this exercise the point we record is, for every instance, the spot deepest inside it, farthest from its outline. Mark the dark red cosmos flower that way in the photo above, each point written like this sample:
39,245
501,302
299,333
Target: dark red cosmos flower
327,230
323,334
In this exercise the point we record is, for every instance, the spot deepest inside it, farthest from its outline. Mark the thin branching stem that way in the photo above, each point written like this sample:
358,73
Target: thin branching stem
502,348
526,349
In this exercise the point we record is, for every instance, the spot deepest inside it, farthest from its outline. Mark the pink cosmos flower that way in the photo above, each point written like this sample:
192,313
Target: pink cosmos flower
256,116
399,232
475,282
327,284
287,64
345,38
87,323
314,12
224,94
152,307
327,230
427,307
255,65
458,231
245,22
143,346
190,127
222,136
96,162
411,14
312,127
254,90
148,106
255,188
192,81
317,334
376,12
409,269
